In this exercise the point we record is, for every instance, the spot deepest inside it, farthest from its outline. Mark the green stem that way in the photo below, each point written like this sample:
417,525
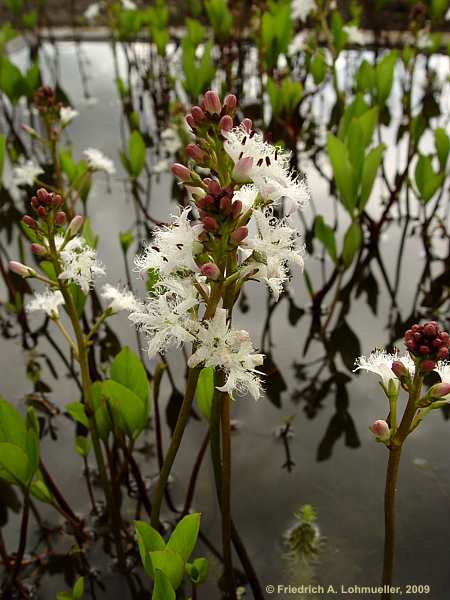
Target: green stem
175,443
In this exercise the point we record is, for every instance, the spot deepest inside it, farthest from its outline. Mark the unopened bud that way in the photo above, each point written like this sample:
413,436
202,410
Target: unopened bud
210,223
75,225
230,101
248,124
195,152
225,204
38,249
198,113
181,172
427,365
29,221
190,121
42,212
226,123
440,390
21,269
214,187
442,353
210,270
240,234
44,196
381,429
211,102
57,200
60,218
30,130
236,209
399,369
198,192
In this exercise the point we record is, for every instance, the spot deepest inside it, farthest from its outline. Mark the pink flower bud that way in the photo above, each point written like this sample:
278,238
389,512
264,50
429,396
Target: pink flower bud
44,196
381,429
248,124
399,369
427,365
240,234
181,172
236,209
210,223
211,102
198,113
225,204
20,269
60,218
195,152
38,249
230,101
57,200
29,221
442,353
242,168
42,212
226,123
210,270
214,187
430,329
440,390
190,121
75,225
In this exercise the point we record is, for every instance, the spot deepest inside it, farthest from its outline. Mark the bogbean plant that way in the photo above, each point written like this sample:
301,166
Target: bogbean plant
230,234
427,352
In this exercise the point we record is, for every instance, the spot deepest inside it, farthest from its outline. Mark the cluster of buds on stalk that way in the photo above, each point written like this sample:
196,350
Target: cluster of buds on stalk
46,103
427,344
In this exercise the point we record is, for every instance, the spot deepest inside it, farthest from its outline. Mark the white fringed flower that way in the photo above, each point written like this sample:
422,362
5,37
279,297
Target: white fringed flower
275,250
97,161
120,299
173,248
301,9
443,370
246,194
230,350
92,11
355,35
266,166
26,173
165,316
380,362
47,302
128,5
66,114
80,263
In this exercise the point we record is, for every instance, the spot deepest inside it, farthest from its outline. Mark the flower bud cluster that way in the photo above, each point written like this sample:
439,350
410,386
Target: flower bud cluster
45,205
46,102
428,343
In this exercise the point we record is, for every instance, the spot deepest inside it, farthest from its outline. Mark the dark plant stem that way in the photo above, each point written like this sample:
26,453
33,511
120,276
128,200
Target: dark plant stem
52,486
143,496
194,474
89,485
22,539
175,443
226,496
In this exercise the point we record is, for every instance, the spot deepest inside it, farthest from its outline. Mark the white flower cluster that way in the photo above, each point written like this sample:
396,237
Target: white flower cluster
47,301
26,173
171,315
267,167
97,161
301,9
380,362
80,263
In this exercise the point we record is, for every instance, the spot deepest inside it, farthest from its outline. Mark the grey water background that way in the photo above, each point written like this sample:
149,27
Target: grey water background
346,489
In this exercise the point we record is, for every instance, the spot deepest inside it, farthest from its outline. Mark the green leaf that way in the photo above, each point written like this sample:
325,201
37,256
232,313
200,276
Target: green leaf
197,570
64,596
78,589
101,411
163,589
352,243
126,238
441,140
32,441
427,181
12,425
170,563
136,153
83,445
365,77
11,80
128,370
78,297
384,75
129,410
325,234
205,391
14,465
41,492
2,154
318,67
77,412
88,234
149,540
342,170
184,536
369,173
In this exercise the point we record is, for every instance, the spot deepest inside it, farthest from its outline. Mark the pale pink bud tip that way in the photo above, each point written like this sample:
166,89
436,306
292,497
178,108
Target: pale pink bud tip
210,270
240,234
197,113
230,101
75,225
211,102
399,369
440,390
181,172
210,223
190,121
248,124
38,249
60,218
242,168
195,152
427,365
20,269
226,123
381,429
